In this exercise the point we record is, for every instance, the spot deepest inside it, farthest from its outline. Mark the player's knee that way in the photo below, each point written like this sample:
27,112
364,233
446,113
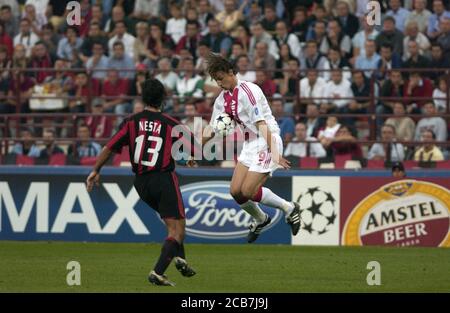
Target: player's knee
236,194
248,192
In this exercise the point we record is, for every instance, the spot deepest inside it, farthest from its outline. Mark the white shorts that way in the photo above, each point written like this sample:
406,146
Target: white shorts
257,158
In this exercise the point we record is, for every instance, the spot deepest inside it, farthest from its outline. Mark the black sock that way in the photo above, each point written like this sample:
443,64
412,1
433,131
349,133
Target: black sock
168,251
181,251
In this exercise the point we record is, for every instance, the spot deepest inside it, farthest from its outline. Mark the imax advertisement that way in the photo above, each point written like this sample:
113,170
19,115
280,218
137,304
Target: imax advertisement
58,207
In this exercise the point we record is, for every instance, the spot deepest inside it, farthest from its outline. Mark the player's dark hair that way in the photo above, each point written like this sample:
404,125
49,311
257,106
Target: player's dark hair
153,93
217,63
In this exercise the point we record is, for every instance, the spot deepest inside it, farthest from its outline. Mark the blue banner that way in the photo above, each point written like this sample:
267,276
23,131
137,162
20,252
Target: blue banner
51,205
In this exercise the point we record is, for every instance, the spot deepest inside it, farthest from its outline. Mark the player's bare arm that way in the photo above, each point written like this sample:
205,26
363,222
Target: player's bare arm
94,176
267,134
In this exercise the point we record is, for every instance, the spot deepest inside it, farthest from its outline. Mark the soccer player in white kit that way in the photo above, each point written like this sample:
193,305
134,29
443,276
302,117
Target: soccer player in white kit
262,151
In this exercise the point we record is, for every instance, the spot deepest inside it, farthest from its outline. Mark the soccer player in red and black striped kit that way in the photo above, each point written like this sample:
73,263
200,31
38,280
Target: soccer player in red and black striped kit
150,136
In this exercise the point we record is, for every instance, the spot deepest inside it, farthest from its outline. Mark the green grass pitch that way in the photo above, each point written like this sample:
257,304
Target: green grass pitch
120,267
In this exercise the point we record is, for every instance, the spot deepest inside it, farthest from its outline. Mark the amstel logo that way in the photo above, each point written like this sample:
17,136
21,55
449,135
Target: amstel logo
403,213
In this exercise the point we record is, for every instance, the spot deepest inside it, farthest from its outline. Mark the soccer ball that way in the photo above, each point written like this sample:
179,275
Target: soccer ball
318,212
224,124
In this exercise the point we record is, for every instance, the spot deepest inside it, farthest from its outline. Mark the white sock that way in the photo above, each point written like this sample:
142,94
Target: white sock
270,199
254,210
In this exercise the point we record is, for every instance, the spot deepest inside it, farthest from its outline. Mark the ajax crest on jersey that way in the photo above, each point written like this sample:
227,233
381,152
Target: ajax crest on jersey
224,124
212,213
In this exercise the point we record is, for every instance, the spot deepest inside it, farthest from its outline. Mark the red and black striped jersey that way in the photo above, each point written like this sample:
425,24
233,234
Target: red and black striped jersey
150,137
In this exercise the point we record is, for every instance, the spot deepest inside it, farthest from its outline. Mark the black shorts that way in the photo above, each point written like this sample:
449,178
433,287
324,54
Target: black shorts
161,191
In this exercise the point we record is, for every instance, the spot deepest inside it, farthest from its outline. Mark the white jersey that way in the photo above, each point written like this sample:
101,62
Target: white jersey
246,105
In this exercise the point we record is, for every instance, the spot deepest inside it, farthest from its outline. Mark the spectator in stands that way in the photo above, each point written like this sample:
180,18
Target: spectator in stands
394,86
283,61
237,49
26,145
312,120
329,130
336,61
403,124
204,15
50,39
118,14
202,55
242,64
40,59
94,36
260,35
388,150
37,20
429,152
120,61
288,86
319,15
415,60
217,40
115,91
444,37
368,62
138,106
23,84
20,60
336,38
5,65
10,22
51,148
60,80
270,18
298,148
439,12
313,59
348,21
98,62
97,16
69,46
100,126
166,76
262,58
440,94
282,36
418,86
230,18
413,34
176,24
299,24
311,87
434,123
344,143
264,82
286,123
360,38
193,120
84,147
141,51
191,40
25,36
158,42
360,88
390,35
339,91
319,34
399,14
189,84
420,15
122,36
438,61
81,90
6,41
388,61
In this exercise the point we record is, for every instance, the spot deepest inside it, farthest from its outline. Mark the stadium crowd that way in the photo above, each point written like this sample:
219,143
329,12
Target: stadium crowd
309,57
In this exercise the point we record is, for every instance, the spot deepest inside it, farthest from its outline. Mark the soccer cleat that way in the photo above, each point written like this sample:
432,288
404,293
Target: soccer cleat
159,280
184,268
255,229
293,219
